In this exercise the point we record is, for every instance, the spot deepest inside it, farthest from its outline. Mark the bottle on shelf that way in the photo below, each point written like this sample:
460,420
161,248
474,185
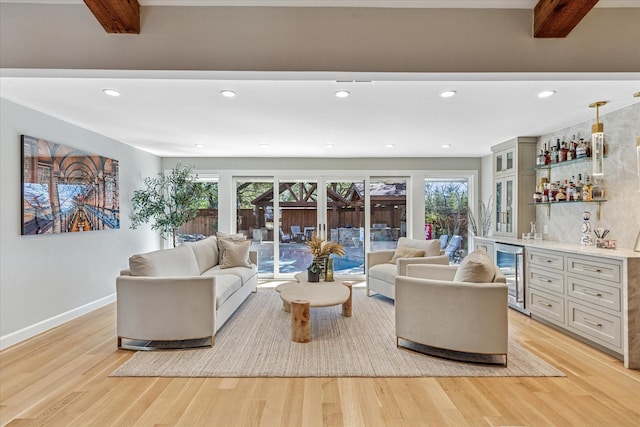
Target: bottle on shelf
547,154
564,152
572,149
581,150
542,159
587,190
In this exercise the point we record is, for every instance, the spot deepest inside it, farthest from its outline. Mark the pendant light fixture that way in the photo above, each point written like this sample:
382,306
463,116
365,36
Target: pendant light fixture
597,141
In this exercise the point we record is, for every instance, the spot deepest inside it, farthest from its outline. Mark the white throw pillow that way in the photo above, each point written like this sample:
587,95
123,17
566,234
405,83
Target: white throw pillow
477,267
235,253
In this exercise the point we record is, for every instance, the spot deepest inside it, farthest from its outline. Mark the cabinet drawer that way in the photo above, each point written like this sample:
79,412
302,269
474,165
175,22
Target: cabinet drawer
595,269
546,280
594,324
595,293
546,259
545,305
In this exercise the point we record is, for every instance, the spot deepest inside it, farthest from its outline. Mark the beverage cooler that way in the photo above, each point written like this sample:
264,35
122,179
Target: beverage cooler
510,260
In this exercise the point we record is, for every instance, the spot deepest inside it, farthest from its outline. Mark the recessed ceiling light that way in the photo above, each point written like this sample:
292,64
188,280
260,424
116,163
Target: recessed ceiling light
342,93
199,145
227,93
264,145
111,92
390,145
329,145
446,145
448,93
546,93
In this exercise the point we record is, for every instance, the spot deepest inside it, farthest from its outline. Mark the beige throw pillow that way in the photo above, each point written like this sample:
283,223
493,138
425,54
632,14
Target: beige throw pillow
229,237
235,253
430,247
477,267
406,252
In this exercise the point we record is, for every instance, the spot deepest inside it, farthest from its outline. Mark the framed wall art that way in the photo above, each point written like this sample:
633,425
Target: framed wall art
66,190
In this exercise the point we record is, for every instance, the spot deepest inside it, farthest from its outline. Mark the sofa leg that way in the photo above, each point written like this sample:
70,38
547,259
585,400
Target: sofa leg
119,342
213,340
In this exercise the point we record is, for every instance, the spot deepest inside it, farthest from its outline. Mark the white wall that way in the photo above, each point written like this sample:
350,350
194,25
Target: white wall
49,279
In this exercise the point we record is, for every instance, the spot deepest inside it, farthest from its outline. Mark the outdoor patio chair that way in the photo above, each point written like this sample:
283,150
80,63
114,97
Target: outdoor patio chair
296,232
453,246
444,239
285,238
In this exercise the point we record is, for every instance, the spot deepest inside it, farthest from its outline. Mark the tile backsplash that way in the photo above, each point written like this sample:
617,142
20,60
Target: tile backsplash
621,212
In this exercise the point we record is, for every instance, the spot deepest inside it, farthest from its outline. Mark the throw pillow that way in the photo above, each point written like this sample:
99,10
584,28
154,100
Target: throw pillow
430,247
477,267
235,253
406,252
229,237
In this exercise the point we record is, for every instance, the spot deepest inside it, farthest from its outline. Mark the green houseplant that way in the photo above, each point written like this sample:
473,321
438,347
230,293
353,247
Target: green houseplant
169,200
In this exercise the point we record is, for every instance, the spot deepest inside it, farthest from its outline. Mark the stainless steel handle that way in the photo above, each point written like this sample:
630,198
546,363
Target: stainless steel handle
518,276
595,270
593,294
545,304
549,281
585,320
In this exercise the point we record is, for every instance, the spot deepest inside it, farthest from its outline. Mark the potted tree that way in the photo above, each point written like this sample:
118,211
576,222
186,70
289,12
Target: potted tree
169,200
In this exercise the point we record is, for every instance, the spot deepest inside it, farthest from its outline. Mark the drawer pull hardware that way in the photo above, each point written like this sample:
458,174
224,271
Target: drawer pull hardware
549,281
584,319
595,270
548,260
593,294
544,304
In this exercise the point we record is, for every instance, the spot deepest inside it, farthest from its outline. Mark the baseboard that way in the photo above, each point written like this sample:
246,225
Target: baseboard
43,326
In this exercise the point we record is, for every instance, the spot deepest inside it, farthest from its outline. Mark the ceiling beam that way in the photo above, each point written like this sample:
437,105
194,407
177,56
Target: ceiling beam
116,16
556,18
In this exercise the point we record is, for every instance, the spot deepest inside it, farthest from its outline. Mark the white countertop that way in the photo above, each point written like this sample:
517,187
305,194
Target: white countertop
565,247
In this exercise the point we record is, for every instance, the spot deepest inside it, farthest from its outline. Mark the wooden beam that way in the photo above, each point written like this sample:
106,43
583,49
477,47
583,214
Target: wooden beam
556,18
116,16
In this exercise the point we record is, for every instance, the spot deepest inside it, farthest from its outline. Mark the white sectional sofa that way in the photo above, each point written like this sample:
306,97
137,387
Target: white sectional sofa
184,293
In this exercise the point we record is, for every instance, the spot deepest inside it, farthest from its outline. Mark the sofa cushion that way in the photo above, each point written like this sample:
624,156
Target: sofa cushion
477,267
406,252
174,262
430,247
243,273
226,285
384,272
235,254
206,253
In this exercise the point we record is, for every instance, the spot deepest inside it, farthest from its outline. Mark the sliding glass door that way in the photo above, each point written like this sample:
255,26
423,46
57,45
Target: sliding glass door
388,212
298,209
345,223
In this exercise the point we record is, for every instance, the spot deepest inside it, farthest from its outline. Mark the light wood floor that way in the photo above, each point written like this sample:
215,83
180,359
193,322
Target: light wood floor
61,378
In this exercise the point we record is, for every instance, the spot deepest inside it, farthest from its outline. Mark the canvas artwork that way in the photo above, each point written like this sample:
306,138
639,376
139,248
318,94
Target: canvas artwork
65,190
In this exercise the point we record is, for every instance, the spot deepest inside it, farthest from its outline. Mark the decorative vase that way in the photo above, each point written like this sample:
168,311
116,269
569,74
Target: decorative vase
328,275
313,277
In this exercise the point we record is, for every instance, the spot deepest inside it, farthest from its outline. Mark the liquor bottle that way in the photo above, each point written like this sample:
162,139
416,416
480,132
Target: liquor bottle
579,186
564,152
547,154
572,149
541,160
587,190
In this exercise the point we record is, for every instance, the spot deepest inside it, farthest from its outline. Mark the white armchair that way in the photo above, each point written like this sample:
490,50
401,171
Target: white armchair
381,272
435,310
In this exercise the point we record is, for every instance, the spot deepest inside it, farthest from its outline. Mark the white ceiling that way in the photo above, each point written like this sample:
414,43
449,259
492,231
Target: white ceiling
298,114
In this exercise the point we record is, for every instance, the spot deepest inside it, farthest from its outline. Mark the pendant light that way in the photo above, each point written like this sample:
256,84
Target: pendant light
597,141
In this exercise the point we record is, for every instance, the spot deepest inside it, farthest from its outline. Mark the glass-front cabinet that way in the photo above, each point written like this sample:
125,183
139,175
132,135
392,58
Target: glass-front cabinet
513,179
504,206
504,161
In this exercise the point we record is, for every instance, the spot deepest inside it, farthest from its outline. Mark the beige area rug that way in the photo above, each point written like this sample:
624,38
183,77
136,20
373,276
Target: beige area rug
256,342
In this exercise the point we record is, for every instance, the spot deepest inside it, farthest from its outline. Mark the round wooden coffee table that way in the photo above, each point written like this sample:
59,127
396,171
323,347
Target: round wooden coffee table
298,298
